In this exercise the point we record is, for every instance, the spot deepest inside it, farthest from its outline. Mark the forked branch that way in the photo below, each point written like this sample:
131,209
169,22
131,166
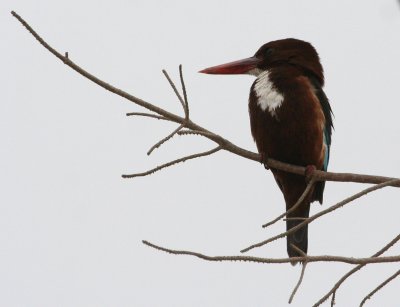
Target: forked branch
222,142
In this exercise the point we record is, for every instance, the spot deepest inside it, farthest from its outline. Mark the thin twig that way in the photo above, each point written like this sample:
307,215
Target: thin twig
380,286
333,299
186,158
224,143
303,254
295,206
175,89
186,105
354,270
309,259
146,115
323,212
159,143
303,269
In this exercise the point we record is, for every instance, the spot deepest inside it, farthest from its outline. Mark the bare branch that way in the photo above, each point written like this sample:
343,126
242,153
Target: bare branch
354,270
380,286
224,143
323,212
295,206
146,115
96,80
160,167
309,259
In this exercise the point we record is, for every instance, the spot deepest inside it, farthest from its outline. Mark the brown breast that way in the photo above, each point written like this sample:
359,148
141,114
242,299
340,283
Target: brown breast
293,131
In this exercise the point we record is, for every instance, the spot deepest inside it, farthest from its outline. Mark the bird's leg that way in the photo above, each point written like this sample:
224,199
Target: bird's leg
309,172
264,159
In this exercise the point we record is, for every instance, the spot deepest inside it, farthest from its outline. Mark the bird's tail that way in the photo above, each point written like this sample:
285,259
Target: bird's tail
299,238
292,187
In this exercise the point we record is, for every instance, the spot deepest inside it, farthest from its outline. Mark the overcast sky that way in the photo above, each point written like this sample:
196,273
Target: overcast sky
71,227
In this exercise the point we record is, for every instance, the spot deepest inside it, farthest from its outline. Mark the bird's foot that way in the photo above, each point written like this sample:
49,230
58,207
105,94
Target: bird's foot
310,169
264,159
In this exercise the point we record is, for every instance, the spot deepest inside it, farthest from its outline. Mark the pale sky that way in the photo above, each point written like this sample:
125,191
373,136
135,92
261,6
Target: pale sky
71,227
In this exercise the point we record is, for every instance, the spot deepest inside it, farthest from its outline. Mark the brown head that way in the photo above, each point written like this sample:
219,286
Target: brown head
289,51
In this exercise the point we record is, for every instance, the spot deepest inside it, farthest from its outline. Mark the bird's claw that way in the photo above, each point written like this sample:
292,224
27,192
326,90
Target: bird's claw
264,159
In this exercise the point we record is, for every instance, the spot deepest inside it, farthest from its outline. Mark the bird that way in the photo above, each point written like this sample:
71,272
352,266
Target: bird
290,120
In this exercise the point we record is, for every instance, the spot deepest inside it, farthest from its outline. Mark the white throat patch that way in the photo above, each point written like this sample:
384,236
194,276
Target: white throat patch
268,97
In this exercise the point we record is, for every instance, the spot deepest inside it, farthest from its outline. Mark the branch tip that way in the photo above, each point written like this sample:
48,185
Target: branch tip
164,140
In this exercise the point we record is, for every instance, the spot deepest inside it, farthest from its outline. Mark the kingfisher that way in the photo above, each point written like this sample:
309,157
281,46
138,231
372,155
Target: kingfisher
290,119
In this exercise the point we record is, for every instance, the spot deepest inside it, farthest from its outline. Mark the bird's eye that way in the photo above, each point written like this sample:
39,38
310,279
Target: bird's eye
269,51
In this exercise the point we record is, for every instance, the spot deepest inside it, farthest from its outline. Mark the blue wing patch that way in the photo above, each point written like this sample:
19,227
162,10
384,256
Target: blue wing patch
327,149
327,135
326,108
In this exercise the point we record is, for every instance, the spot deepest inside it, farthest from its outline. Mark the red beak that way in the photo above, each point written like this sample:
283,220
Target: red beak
237,67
